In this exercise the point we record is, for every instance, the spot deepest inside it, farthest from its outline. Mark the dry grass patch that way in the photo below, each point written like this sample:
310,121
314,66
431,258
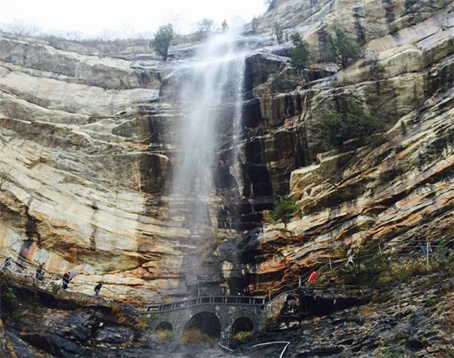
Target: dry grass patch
141,324
164,335
195,337
367,311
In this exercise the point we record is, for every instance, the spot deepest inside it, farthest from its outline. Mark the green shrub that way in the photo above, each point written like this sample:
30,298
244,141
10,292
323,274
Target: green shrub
278,31
284,211
296,38
404,127
354,123
162,40
341,49
242,335
443,259
204,27
406,271
8,297
300,53
278,83
432,301
391,353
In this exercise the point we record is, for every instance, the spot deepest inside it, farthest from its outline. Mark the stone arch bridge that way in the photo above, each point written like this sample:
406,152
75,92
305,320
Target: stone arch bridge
224,314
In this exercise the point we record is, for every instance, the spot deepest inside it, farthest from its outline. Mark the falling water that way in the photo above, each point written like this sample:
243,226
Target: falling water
211,98
210,95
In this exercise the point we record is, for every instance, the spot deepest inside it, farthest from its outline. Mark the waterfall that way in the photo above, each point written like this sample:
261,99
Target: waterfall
210,96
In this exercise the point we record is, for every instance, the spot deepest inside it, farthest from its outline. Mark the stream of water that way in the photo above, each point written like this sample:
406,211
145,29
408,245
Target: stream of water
211,98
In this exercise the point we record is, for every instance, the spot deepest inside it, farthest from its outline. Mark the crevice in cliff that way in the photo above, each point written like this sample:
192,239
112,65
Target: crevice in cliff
358,13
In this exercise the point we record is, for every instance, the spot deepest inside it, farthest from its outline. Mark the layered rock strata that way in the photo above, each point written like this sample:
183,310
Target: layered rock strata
87,155
391,191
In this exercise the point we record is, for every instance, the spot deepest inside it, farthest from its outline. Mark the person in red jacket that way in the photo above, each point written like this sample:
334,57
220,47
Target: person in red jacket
312,277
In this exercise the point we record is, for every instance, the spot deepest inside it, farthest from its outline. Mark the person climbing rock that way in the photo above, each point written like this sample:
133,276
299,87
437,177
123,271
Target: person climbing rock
7,263
98,288
39,275
350,257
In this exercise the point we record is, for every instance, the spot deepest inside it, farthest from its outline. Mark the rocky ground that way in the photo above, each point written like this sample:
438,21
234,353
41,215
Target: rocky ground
39,323
413,322
414,318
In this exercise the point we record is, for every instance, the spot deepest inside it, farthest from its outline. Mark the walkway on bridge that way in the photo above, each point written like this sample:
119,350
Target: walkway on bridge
208,300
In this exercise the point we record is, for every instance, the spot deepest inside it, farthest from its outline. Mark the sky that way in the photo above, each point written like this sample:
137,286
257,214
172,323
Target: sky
128,16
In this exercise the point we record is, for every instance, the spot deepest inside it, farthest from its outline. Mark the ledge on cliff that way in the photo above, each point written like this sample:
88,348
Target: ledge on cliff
65,324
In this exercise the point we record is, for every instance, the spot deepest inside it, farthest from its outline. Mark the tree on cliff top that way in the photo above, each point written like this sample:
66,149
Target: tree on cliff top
162,39
204,27
341,49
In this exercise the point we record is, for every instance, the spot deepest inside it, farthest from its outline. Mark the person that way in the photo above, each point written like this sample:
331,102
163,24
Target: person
312,277
98,288
225,27
65,281
184,302
422,247
350,256
292,304
7,263
39,272
71,274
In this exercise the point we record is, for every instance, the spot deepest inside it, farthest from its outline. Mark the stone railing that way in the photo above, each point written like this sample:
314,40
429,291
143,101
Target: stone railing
207,300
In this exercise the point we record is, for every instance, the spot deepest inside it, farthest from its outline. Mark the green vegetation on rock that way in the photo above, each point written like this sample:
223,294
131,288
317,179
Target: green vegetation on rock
284,211
8,297
278,31
341,49
242,335
204,27
300,53
339,127
162,40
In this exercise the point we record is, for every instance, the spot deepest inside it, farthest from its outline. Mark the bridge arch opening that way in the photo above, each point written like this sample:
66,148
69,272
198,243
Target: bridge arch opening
242,326
206,323
164,326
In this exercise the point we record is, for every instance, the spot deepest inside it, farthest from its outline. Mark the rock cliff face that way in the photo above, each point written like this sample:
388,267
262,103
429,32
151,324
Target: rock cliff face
389,191
87,154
